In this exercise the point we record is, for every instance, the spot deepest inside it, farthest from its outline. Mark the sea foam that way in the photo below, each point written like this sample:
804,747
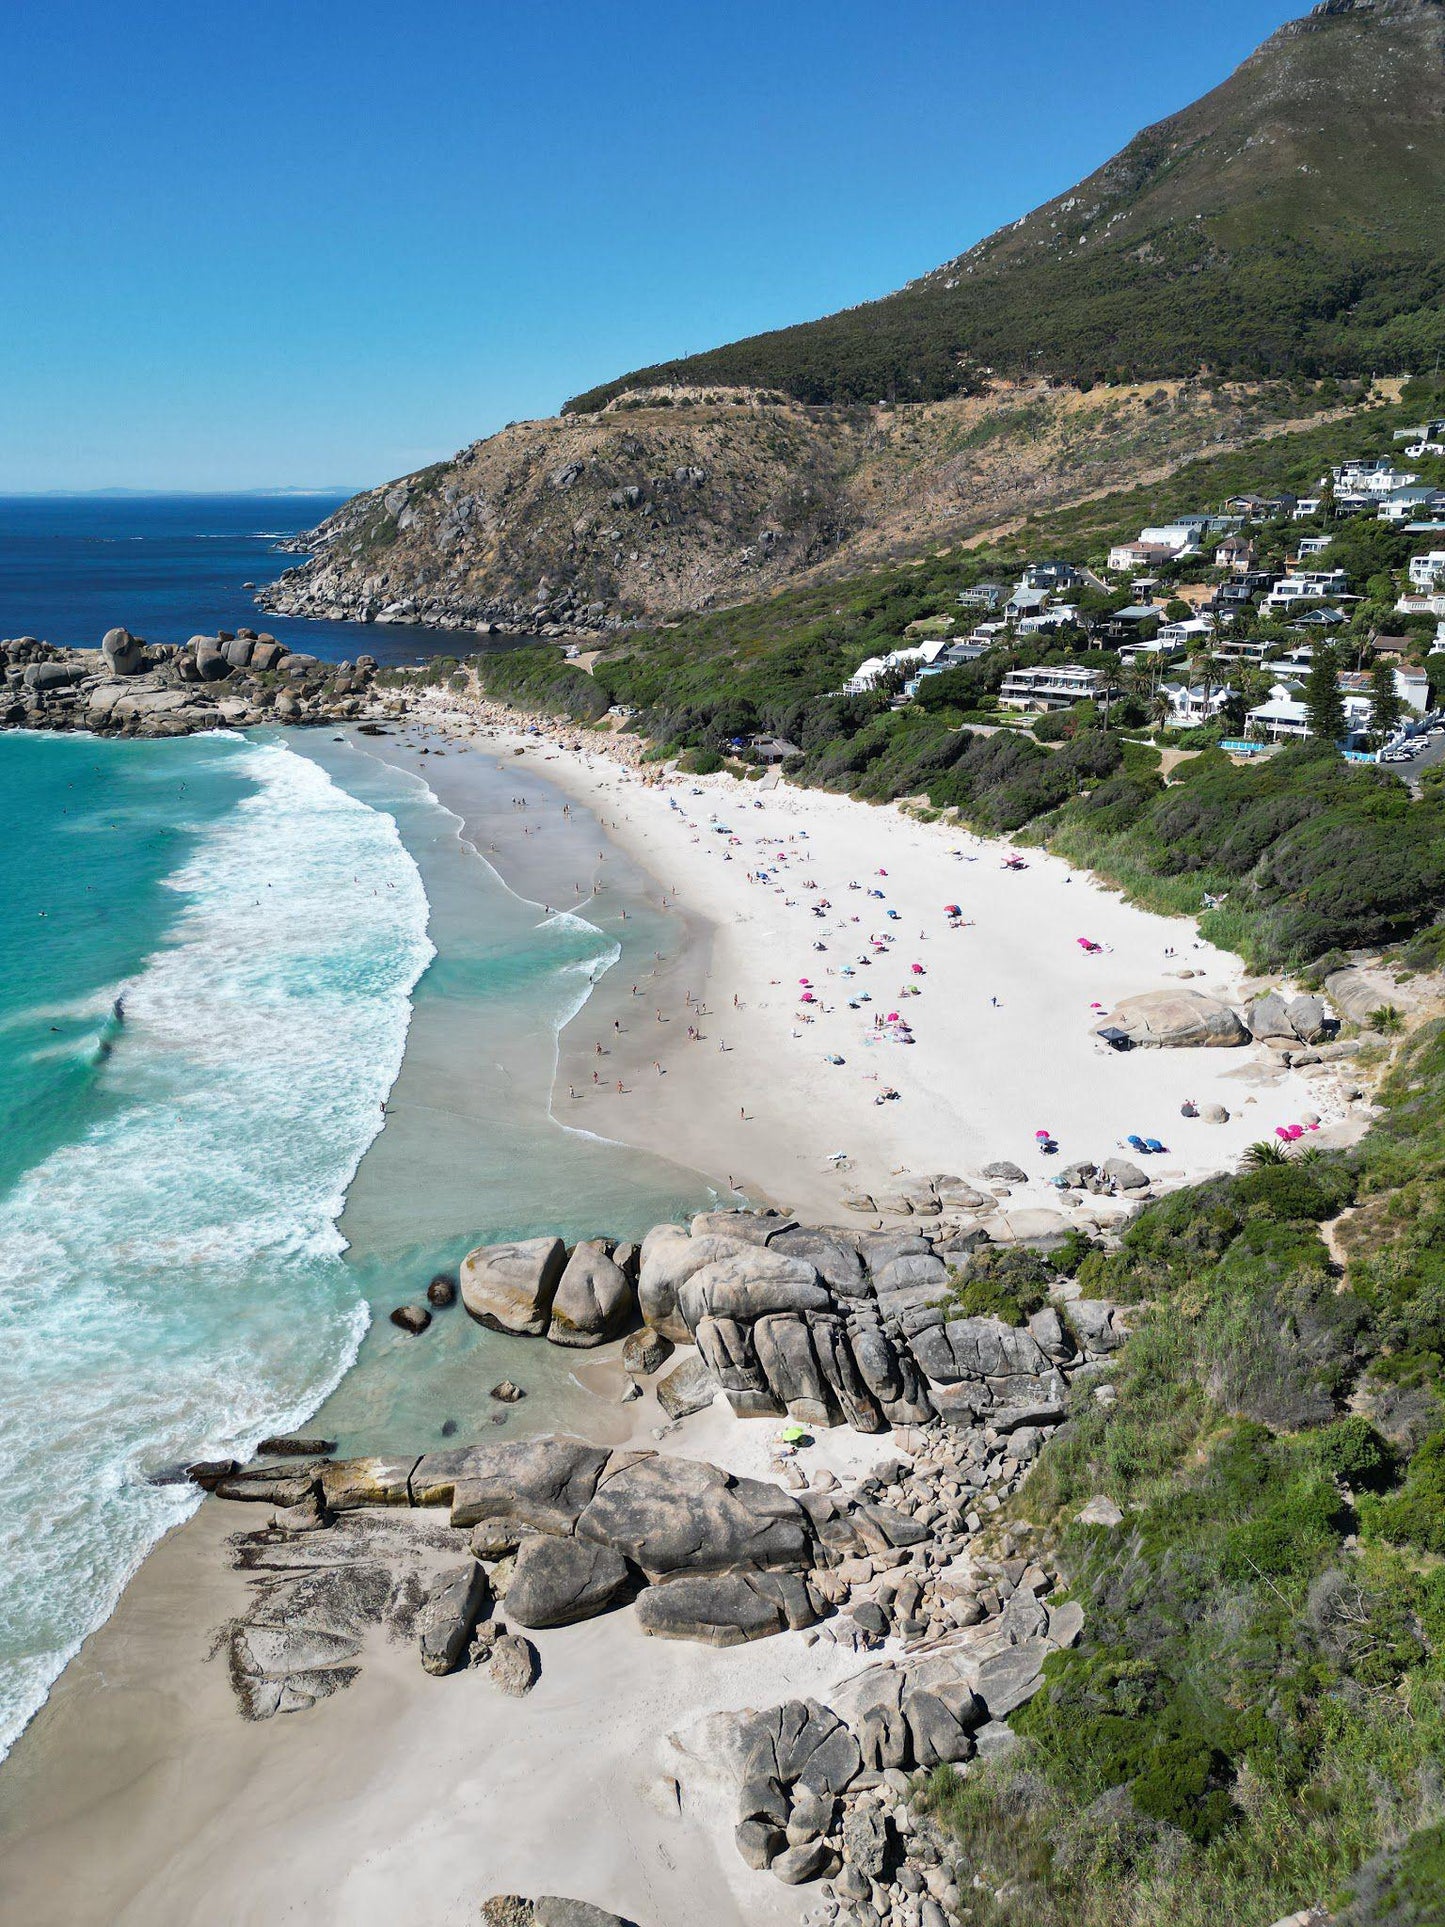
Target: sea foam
171,1284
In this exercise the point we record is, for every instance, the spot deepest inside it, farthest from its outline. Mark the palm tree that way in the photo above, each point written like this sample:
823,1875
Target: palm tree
1263,1155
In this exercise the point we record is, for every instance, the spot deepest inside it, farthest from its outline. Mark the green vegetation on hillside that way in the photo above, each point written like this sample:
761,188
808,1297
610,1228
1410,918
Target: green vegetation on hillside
1254,1717
1304,854
1288,221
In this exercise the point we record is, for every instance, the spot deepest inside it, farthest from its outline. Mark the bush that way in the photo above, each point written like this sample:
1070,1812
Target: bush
1352,1451
1415,1515
1004,1282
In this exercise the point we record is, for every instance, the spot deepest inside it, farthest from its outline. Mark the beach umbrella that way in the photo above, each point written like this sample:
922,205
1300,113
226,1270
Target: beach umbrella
792,1435
953,909
917,969
1043,1134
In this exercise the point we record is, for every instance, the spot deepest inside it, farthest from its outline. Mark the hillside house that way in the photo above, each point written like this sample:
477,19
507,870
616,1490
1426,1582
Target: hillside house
1261,508
1427,571
1193,704
984,595
1130,557
1059,686
1052,576
1309,545
1308,585
1236,552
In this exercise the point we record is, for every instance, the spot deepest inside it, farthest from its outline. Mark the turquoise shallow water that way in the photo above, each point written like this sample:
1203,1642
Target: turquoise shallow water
209,950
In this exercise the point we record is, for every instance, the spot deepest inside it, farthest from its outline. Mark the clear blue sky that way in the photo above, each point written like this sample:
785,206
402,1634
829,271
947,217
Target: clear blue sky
316,243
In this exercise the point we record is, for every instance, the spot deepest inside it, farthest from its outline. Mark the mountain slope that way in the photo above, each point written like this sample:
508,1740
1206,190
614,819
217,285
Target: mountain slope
1289,221
652,509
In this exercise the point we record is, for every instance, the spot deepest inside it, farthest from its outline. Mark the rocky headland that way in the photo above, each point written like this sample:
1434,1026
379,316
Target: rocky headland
679,499
913,1563
129,687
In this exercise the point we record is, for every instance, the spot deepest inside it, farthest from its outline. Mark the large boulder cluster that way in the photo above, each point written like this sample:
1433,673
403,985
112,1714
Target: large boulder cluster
828,1326
132,688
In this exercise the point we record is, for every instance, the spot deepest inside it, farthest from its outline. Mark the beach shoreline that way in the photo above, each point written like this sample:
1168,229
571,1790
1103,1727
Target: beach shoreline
138,1794
1004,1007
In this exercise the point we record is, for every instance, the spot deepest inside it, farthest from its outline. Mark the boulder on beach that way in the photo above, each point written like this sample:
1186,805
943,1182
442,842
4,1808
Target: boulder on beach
1177,1020
509,1287
726,1608
593,1300
450,1615
645,1352
682,1515
689,1387
124,655
557,1582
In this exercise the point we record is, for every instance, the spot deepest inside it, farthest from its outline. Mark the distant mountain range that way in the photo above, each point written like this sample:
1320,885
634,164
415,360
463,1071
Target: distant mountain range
1286,228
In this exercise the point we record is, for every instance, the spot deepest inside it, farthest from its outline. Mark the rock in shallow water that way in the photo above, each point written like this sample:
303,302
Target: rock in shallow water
509,1287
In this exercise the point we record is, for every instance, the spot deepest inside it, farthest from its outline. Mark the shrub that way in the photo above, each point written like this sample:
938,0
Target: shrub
1353,1451
1415,1515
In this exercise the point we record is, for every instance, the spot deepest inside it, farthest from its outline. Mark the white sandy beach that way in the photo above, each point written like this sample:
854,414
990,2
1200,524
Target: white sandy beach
1003,1012
139,1796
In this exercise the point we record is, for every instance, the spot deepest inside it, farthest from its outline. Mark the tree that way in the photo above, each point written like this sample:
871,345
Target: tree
1324,705
1384,700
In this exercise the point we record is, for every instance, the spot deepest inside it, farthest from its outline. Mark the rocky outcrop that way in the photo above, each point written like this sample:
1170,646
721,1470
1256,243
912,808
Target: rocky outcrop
1177,1020
510,1287
593,1300
128,687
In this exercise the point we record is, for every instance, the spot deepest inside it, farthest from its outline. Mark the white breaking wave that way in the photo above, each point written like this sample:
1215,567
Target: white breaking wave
170,1284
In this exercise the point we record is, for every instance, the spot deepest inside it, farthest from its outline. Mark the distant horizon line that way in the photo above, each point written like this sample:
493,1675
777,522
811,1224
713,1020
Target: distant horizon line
132,494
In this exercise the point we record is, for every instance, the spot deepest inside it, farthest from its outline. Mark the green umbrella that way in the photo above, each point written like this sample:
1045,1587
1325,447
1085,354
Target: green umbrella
791,1434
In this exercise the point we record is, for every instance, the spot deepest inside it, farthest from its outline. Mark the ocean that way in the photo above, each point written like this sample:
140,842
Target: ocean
167,567
276,1043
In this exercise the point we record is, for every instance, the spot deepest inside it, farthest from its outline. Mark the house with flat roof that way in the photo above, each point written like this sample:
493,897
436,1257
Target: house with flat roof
1306,585
984,595
1058,686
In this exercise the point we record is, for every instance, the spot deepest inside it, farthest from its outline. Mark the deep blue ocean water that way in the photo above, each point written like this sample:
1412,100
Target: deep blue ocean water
220,956
171,566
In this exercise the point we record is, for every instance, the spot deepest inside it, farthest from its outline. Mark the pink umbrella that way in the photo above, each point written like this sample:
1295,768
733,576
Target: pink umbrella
917,969
1043,1134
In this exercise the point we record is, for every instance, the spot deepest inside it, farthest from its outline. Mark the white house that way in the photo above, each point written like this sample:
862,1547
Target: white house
1428,571
1056,687
1311,545
1156,650
1192,634
1180,538
1421,605
1283,718
1406,505
1306,585
1190,706
1305,507
1129,556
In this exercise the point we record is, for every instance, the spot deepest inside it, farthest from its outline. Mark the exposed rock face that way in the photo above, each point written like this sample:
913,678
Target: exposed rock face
556,1582
593,1300
450,1617
510,1287
674,502
1178,1020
